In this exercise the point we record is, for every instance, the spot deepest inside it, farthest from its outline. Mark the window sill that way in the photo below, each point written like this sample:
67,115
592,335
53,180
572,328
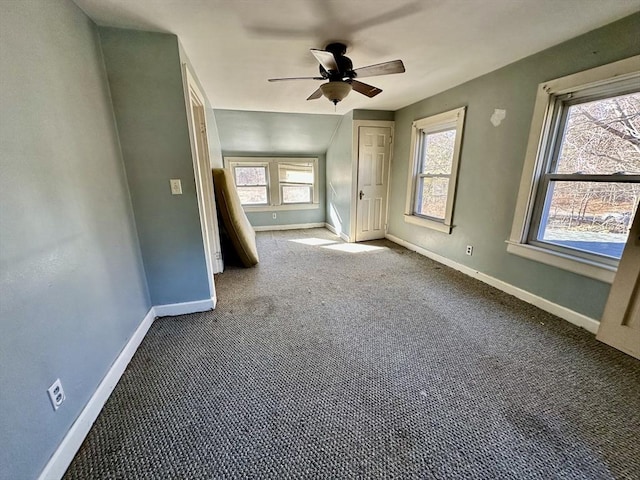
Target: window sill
603,273
274,208
424,222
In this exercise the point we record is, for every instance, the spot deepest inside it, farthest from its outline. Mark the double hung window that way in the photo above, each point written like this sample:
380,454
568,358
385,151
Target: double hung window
296,182
433,169
252,183
585,186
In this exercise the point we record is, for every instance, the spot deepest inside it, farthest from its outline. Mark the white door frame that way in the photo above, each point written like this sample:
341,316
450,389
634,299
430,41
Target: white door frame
354,170
194,100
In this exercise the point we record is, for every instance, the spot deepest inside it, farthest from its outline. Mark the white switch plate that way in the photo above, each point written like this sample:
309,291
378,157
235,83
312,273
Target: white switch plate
176,186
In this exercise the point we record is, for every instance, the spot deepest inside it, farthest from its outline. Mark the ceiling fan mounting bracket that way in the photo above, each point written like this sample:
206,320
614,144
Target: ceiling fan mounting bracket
337,48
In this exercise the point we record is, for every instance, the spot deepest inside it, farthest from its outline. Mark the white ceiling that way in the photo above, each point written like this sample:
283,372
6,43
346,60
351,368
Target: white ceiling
236,45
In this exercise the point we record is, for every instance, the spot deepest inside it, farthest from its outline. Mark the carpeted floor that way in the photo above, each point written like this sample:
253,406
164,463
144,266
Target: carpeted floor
334,360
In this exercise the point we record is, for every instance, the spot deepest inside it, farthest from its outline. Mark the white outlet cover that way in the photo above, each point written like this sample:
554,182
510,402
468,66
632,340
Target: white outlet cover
176,186
56,394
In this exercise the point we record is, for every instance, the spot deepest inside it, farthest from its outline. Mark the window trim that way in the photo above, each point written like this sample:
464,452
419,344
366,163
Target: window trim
274,190
540,138
433,124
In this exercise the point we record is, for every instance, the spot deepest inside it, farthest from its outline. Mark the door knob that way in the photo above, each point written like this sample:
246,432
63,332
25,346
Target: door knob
361,194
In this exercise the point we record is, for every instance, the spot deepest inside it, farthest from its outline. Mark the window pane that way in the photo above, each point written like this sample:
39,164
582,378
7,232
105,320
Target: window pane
251,175
296,194
602,137
593,217
252,195
432,196
437,151
296,173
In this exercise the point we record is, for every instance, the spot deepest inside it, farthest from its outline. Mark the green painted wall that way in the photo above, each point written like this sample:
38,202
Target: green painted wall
145,80
491,165
213,137
263,133
373,115
339,176
72,283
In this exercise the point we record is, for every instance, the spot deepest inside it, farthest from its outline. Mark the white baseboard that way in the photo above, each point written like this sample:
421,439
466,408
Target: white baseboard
332,229
292,226
62,457
172,309
565,313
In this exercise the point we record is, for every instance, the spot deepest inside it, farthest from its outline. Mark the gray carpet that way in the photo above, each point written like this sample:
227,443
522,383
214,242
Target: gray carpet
322,363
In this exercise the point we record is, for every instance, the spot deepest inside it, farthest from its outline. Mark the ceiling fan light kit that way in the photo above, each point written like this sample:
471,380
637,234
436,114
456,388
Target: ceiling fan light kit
336,91
338,69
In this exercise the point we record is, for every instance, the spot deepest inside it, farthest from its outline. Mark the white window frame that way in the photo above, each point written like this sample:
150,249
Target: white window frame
433,124
274,190
540,137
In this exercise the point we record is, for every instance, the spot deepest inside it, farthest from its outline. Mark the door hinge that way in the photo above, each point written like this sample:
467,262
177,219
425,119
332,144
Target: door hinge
203,128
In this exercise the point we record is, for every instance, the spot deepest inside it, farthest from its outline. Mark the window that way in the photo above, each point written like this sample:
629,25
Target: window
275,183
583,173
296,182
434,160
251,184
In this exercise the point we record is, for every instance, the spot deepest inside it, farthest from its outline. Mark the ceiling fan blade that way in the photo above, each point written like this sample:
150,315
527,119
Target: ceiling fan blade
386,68
295,78
326,59
364,89
316,94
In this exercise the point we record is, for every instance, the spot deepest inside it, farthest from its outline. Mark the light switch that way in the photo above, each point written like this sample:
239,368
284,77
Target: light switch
176,186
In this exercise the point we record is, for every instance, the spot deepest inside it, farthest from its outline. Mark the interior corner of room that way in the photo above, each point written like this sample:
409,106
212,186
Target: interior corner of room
108,136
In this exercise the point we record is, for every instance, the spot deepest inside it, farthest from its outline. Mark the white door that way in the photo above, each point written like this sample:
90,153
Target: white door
374,150
620,323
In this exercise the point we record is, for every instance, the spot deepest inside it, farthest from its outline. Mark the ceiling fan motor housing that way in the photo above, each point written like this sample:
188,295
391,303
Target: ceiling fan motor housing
345,65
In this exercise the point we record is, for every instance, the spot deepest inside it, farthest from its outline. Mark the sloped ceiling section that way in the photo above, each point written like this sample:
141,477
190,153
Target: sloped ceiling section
235,46
268,132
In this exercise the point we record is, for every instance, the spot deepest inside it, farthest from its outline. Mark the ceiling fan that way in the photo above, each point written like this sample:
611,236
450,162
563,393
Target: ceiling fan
338,70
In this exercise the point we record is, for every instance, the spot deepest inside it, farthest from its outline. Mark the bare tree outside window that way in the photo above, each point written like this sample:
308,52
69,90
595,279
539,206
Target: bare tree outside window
435,172
251,185
599,138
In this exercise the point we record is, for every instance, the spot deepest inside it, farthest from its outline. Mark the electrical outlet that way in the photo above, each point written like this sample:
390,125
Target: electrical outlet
469,250
56,394
274,215
176,186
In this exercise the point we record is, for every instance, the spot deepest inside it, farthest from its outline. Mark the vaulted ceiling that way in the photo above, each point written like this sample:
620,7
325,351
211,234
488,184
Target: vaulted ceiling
236,45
